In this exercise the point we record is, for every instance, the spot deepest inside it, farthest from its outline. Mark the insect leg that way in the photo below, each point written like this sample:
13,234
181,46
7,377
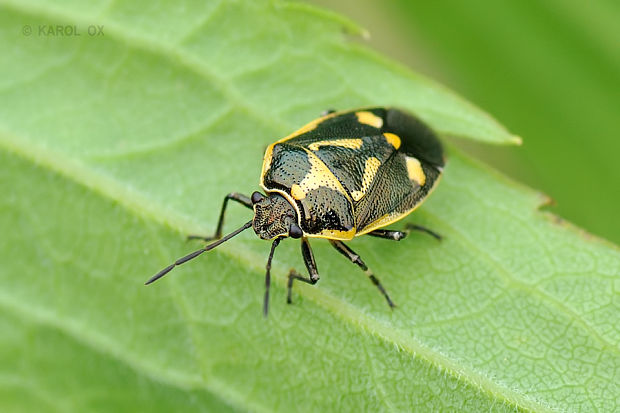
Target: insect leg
327,112
398,235
268,276
414,227
350,254
387,234
293,275
235,196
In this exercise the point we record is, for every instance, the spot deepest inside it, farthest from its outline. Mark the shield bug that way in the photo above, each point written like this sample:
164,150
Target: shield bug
342,175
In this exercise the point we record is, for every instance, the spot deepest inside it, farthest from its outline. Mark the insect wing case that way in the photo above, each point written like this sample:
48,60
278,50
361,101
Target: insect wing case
351,172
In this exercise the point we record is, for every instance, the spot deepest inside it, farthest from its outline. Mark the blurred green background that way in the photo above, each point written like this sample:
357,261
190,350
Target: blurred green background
548,70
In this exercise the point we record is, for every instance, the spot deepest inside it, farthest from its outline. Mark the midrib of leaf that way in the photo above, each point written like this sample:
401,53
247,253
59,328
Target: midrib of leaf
137,204
224,85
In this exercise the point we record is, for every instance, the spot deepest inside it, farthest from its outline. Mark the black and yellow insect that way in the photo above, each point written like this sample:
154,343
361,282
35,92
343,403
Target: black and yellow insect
342,175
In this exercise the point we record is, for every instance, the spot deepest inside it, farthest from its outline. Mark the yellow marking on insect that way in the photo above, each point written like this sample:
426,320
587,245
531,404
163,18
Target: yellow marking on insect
371,166
414,170
266,161
392,139
369,118
319,176
297,192
334,234
345,143
308,127
384,221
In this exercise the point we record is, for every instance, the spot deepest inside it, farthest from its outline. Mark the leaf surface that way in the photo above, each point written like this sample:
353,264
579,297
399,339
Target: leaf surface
114,147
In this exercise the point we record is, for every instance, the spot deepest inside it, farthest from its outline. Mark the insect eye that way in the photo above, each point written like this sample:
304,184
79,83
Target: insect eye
257,197
295,231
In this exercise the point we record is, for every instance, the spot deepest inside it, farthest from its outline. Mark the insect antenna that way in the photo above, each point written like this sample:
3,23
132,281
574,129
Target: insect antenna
194,254
268,276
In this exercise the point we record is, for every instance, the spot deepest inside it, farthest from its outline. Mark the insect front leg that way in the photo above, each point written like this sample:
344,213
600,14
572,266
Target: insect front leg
235,196
293,275
355,259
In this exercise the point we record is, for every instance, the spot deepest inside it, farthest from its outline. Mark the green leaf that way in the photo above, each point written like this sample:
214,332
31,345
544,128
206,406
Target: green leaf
114,147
